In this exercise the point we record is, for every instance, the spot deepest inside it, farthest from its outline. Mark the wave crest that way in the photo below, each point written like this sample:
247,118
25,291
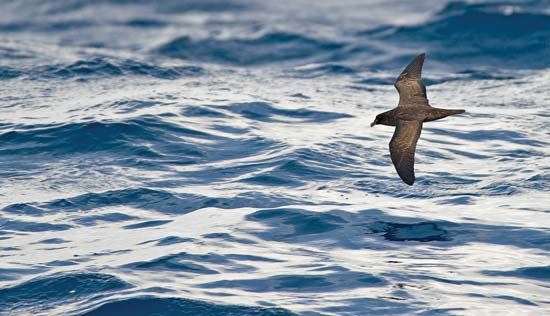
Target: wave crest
269,48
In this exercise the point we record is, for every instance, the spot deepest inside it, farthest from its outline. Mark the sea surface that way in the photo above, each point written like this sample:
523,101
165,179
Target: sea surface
212,157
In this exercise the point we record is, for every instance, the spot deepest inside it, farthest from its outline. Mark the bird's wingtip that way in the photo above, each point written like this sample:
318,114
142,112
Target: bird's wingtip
420,57
408,179
414,68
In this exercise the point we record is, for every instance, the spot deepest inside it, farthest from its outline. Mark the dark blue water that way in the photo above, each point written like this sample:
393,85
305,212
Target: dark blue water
215,158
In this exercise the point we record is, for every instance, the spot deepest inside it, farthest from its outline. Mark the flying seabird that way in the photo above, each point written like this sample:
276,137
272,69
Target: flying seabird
409,115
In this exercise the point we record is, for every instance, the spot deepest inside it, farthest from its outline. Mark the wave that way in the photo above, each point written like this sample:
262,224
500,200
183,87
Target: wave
102,67
45,293
210,6
324,283
319,70
149,305
53,8
126,137
470,34
46,27
268,48
28,226
160,201
536,273
134,141
9,73
265,112
192,263
151,143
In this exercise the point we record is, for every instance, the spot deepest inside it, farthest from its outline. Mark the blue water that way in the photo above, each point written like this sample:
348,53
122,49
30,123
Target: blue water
215,157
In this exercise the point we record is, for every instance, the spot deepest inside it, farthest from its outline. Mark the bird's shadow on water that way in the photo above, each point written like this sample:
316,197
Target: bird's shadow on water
354,230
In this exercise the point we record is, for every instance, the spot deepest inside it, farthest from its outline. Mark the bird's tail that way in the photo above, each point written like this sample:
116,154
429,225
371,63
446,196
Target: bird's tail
436,114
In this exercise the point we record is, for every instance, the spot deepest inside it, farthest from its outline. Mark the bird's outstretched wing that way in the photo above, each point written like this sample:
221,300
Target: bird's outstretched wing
403,146
412,91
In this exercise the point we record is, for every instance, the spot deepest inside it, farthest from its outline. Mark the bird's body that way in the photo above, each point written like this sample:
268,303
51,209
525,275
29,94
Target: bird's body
408,117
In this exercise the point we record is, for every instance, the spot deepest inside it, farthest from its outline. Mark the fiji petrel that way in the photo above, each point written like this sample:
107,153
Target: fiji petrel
409,115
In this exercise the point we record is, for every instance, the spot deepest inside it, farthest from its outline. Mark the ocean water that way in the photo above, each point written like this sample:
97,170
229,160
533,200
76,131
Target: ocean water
210,157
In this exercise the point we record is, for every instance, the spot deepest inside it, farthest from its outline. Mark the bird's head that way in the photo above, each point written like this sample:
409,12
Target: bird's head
377,120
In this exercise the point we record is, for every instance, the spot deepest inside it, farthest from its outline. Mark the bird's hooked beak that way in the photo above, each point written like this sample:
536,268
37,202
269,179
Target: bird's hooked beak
374,123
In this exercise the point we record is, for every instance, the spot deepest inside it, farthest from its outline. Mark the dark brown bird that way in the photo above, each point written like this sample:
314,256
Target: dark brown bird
409,115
